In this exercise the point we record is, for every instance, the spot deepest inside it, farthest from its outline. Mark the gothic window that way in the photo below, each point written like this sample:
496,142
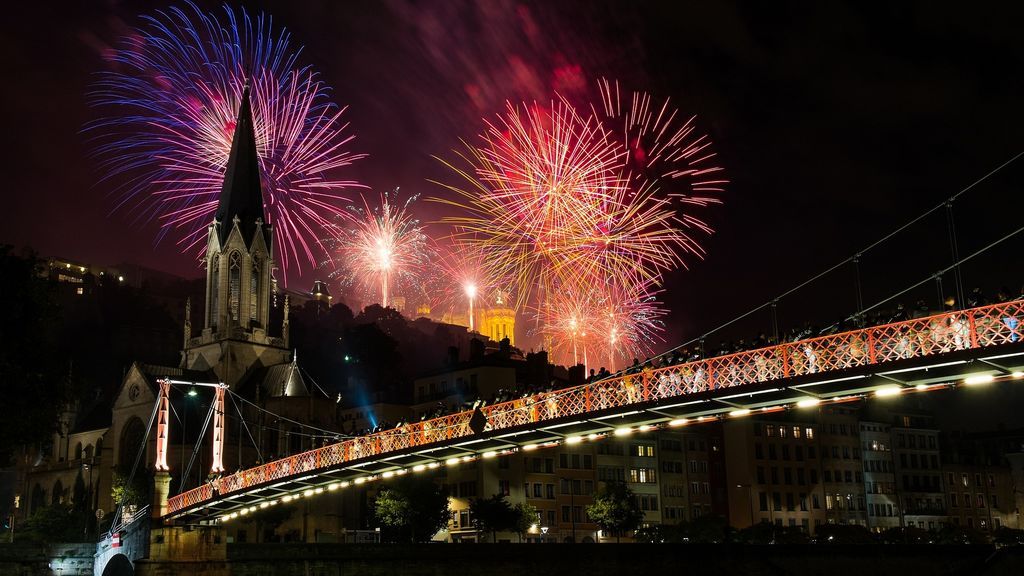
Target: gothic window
131,440
254,290
214,290
57,497
38,498
234,284
78,451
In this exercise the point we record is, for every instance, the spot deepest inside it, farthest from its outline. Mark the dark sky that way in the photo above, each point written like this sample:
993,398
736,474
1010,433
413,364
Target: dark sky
836,123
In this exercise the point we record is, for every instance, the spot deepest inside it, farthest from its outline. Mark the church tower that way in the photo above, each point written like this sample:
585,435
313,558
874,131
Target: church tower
239,260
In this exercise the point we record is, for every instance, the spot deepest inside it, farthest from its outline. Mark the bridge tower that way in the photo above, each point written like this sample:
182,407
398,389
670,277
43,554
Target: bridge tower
239,262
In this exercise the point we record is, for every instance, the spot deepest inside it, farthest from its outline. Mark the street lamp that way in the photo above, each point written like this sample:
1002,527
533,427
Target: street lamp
86,466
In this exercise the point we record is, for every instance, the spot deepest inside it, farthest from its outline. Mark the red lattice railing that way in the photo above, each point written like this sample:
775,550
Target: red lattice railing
947,332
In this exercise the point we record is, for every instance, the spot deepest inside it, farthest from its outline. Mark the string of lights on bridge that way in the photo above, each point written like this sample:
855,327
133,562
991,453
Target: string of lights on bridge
620,432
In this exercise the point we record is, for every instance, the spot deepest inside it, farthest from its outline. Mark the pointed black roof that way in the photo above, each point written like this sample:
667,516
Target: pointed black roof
242,195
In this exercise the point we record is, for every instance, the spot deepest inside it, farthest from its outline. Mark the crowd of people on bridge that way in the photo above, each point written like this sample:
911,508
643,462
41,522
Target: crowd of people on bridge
949,331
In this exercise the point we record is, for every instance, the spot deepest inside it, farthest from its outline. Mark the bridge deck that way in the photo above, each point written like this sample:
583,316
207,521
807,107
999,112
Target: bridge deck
919,354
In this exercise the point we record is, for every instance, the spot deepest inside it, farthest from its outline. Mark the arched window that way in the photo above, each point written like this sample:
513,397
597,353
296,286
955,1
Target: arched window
131,440
214,294
234,284
57,497
78,451
99,448
87,453
254,290
38,498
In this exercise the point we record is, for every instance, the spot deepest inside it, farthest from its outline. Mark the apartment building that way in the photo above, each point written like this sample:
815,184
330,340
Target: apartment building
883,504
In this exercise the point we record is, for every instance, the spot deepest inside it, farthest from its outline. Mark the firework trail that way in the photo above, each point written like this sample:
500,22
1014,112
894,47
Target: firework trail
383,249
664,150
170,104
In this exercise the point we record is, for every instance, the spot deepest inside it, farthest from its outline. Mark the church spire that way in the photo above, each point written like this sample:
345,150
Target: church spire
241,196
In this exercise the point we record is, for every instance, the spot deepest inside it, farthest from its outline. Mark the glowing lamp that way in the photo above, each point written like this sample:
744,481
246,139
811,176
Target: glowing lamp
574,440
808,402
678,422
623,431
979,379
888,391
739,413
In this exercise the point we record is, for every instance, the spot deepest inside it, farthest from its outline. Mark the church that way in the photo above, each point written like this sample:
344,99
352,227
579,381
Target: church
234,345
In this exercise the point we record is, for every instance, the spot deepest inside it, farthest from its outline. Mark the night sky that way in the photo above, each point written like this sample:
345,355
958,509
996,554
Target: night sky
836,123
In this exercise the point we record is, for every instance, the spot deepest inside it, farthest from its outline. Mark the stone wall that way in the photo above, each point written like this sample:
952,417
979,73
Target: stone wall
47,560
596,560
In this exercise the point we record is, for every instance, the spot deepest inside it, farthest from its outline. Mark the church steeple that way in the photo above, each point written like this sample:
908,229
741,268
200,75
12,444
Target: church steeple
240,247
239,261
241,195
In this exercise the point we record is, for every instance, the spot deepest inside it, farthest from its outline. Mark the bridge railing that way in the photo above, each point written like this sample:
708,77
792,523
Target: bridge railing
940,333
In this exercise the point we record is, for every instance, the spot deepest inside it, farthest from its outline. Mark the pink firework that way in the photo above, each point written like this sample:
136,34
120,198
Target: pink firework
383,250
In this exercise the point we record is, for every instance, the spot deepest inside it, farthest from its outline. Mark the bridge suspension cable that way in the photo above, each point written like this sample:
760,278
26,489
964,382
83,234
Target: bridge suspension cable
856,257
938,274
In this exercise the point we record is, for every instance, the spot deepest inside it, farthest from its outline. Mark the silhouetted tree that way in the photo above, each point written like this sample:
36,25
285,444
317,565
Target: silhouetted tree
615,509
411,510
492,515
29,330
526,516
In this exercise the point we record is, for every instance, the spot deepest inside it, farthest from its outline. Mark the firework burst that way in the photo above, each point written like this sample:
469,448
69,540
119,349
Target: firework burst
534,185
383,250
463,283
172,98
582,213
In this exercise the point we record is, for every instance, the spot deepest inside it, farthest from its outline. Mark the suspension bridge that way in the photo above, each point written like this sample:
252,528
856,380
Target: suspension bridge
961,347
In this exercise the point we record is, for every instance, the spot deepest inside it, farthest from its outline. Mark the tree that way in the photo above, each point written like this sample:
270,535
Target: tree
30,324
135,493
615,509
526,516
57,523
492,515
411,510
393,512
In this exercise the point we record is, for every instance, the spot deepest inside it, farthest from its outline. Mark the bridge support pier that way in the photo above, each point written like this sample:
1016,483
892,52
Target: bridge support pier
161,491
185,551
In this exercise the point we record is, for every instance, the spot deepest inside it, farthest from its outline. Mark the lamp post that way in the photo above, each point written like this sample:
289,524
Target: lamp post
88,467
